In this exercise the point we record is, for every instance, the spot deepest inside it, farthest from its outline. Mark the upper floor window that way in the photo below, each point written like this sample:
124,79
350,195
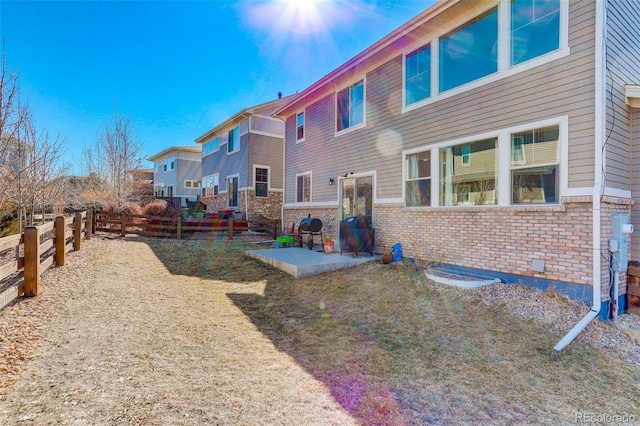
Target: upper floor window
535,163
303,188
476,182
470,52
262,182
233,143
535,28
534,32
418,74
350,106
169,163
300,126
418,181
211,146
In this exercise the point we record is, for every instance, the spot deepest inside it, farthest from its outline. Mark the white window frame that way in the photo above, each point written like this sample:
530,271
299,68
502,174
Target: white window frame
351,127
236,175
192,184
405,175
215,144
521,165
310,187
211,182
503,185
505,69
255,188
235,130
304,126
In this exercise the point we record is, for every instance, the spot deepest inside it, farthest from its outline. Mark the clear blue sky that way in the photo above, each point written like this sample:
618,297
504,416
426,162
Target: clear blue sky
178,68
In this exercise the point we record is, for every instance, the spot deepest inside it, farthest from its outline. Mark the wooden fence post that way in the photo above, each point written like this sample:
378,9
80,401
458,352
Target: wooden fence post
123,224
230,231
77,234
179,228
89,224
31,261
94,221
59,227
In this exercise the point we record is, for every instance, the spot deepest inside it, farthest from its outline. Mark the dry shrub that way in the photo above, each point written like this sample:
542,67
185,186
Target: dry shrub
161,208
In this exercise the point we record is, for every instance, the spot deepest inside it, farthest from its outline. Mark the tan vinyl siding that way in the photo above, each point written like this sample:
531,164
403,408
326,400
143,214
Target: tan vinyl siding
266,151
623,67
559,88
635,186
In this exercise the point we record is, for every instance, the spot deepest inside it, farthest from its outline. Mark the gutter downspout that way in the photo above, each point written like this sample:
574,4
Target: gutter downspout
600,127
284,175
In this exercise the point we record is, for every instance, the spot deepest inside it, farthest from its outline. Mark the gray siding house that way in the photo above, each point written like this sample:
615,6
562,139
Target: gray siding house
176,173
491,134
242,161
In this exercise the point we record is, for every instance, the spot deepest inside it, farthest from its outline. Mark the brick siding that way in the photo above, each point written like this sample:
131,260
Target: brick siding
504,239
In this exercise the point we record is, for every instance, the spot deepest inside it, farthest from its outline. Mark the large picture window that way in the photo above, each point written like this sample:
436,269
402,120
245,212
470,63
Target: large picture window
535,158
303,188
418,74
350,106
535,28
470,52
469,174
418,179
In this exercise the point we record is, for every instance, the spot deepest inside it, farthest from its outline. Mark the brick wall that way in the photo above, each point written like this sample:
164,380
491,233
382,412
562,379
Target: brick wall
269,206
505,239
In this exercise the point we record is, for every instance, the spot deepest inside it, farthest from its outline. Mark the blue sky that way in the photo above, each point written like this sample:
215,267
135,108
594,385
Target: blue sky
178,68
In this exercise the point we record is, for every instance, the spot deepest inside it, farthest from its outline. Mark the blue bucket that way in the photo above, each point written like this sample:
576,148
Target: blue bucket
396,252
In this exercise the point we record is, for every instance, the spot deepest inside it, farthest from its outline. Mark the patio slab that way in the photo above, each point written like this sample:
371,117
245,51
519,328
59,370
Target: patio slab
302,262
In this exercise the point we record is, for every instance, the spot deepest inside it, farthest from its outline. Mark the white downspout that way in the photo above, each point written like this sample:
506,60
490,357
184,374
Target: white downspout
600,128
284,175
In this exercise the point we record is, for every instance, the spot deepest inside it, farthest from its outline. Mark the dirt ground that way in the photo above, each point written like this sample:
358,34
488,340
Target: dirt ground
142,331
135,344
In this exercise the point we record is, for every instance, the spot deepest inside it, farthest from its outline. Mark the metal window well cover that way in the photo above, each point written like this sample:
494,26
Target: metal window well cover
443,275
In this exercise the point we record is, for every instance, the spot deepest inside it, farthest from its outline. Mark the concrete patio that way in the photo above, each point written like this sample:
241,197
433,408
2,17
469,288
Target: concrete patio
302,262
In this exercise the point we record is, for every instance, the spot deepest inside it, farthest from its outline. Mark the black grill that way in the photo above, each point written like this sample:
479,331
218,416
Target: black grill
310,226
357,235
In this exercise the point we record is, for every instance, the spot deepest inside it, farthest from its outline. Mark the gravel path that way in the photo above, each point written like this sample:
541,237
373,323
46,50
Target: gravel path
131,345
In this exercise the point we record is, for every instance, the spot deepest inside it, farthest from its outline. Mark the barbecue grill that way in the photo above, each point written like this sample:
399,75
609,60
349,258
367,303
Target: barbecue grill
310,226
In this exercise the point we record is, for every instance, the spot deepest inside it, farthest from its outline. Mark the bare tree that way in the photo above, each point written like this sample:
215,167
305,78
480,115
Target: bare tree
13,116
115,154
30,162
31,177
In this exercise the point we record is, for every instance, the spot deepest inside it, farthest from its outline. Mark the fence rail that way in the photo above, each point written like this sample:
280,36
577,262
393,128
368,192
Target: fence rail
176,227
34,251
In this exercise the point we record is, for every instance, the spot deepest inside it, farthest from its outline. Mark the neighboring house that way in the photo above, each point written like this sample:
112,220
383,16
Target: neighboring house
242,162
177,174
483,134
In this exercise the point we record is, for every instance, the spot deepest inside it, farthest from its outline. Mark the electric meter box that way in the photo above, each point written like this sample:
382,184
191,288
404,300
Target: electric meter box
620,232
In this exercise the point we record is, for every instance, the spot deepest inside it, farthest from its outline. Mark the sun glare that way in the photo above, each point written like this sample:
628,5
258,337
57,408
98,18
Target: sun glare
302,16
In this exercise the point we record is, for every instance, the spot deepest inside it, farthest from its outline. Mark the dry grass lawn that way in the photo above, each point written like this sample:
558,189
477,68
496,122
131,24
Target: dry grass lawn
195,332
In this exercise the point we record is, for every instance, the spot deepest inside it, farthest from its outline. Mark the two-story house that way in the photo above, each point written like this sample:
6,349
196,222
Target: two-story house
242,161
488,134
176,174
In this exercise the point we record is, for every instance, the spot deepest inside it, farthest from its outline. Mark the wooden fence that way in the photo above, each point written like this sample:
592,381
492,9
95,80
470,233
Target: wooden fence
34,251
177,227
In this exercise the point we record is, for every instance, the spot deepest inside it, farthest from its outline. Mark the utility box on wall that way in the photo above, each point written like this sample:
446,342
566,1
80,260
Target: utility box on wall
620,232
